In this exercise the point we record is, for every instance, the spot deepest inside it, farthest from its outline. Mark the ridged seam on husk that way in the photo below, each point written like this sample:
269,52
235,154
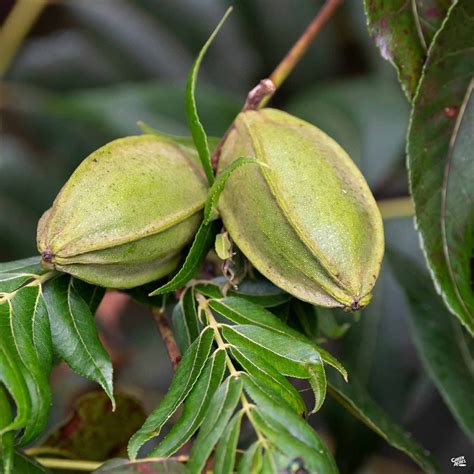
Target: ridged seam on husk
138,236
140,273
284,209
97,256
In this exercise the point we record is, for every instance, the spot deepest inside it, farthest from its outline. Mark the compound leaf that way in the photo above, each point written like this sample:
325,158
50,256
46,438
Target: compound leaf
187,373
195,406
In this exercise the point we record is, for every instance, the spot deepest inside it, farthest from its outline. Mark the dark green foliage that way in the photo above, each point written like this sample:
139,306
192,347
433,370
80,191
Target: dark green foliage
241,343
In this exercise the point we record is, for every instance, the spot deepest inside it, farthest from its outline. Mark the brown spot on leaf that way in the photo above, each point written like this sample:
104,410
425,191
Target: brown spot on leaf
451,111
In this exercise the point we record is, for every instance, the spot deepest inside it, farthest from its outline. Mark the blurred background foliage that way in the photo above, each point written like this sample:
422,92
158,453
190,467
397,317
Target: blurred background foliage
88,71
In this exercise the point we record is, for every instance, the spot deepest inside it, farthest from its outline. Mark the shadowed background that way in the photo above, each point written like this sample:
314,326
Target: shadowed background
88,71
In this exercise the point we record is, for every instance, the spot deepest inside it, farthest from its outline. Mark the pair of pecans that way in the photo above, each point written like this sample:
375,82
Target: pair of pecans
302,214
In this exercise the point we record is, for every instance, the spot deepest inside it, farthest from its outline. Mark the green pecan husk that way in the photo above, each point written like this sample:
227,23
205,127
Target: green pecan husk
125,214
305,218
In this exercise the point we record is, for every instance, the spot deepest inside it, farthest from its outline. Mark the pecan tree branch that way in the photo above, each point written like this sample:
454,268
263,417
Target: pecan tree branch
167,335
294,55
263,92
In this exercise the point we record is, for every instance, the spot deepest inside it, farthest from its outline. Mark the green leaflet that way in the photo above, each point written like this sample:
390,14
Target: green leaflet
307,318
185,320
25,359
74,333
271,462
269,379
251,461
261,292
91,294
394,30
288,419
210,290
242,311
440,178
180,328
12,281
32,338
329,359
190,310
287,355
288,432
15,274
440,343
7,439
32,324
195,126
203,242
210,212
220,411
12,374
195,406
357,401
329,325
317,380
226,448
184,380
29,265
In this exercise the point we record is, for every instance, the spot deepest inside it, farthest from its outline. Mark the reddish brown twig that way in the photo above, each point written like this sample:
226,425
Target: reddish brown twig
254,98
292,58
262,93
167,335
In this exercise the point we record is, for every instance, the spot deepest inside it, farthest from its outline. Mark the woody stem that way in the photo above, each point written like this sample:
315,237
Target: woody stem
167,335
261,94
